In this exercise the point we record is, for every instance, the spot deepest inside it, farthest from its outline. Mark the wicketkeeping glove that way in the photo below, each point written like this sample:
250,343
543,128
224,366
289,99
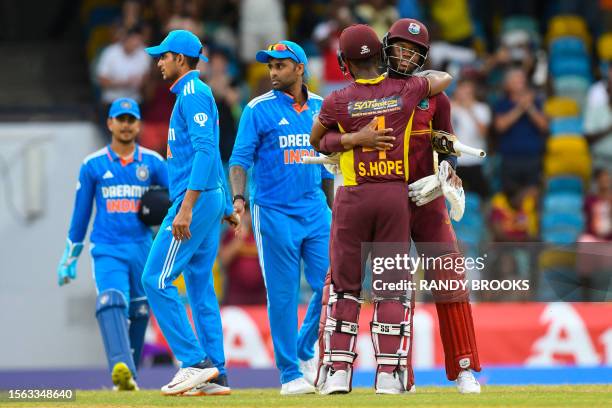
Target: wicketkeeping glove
66,270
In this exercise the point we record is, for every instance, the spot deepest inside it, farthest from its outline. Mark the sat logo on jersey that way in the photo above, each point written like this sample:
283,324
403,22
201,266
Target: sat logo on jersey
375,106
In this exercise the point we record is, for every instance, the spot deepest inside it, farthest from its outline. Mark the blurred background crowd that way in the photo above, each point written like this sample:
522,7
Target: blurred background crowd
533,87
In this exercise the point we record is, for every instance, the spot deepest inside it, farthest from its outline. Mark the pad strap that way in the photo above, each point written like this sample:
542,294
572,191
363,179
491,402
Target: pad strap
339,356
341,326
335,296
391,359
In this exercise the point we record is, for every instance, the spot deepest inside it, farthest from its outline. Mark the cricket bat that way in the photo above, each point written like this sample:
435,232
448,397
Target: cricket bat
447,143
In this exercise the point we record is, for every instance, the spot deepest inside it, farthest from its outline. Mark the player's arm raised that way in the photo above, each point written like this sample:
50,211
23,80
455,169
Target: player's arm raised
438,80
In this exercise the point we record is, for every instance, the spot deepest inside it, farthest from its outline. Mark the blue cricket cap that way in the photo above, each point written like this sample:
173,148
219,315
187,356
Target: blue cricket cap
180,42
284,49
123,106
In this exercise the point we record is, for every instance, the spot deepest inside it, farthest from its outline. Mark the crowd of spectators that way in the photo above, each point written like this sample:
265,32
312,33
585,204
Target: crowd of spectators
525,72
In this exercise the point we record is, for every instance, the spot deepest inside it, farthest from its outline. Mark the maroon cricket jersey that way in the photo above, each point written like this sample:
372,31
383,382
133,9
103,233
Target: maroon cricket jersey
431,113
393,102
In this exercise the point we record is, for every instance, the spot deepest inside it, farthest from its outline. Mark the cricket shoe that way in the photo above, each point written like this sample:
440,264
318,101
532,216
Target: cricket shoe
217,386
336,382
309,370
467,383
189,377
391,383
122,378
297,387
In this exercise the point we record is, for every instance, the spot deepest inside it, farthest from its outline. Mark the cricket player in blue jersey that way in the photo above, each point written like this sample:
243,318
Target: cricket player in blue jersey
188,238
116,177
291,218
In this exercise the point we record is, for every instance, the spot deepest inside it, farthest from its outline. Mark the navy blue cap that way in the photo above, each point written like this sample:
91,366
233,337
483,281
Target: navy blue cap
180,42
293,51
123,106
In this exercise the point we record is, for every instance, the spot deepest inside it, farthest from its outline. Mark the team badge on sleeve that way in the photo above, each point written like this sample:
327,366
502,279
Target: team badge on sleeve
200,118
142,172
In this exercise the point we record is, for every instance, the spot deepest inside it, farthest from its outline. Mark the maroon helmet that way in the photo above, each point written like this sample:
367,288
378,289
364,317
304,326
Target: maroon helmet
402,60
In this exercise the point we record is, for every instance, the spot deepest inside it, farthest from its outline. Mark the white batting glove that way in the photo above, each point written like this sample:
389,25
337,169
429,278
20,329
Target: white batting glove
425,190
454,195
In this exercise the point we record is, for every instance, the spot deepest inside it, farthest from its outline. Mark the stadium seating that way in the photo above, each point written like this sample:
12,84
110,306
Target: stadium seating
566,125
572,86
564,185
470,229
568,46
562,228
563,202
567,155
562,66
559,107
604,47
568,25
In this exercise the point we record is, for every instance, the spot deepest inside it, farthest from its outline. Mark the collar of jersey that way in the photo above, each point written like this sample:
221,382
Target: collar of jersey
291,100
372,81
114,157
177,86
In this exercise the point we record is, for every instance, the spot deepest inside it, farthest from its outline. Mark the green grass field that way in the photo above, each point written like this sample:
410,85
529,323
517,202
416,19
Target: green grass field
492,396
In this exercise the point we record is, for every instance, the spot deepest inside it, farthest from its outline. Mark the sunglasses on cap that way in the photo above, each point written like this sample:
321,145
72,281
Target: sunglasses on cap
282,47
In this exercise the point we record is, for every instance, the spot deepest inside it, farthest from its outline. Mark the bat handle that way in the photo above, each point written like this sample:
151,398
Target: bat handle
472,151
316,160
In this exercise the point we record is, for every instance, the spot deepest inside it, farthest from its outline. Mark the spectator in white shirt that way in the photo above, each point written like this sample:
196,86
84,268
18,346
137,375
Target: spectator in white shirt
122,68
598,123
471,120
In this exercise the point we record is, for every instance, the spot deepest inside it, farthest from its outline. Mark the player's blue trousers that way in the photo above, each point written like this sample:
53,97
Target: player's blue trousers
282,242
119,266
194,258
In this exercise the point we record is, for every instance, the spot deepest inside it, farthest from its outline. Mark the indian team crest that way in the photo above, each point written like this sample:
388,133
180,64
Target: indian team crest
126,105
142,172
414,28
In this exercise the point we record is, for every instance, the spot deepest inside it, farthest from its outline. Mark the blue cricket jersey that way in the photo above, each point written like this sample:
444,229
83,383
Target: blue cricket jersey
273,135
194,160
116,185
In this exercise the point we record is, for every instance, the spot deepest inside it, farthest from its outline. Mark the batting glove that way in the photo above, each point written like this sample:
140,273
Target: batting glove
425,190
454,195
66,271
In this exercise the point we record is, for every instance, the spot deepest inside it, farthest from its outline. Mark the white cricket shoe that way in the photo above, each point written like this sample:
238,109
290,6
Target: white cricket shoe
390,383
309,370
467,383
337,382
187,378
297,387
216,386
